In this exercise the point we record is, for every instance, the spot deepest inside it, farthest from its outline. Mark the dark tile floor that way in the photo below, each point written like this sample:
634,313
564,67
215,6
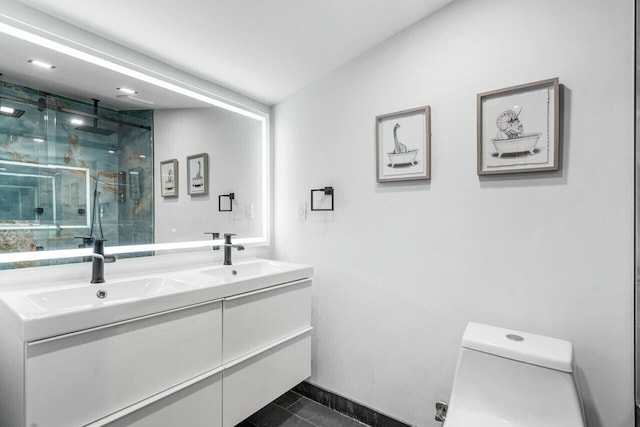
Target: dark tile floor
294,410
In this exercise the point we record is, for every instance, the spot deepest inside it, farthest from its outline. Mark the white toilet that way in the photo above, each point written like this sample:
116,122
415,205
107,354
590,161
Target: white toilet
509,378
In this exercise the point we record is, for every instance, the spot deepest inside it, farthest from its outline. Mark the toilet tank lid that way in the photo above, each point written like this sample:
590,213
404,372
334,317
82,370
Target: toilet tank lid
524,347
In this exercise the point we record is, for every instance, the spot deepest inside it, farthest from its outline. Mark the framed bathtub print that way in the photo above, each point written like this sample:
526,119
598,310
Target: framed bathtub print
403,145
169,178
519,128
198,174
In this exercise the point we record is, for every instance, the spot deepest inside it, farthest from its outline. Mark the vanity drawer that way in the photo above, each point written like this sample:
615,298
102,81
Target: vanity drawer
256,319
198,405
74,379
254,381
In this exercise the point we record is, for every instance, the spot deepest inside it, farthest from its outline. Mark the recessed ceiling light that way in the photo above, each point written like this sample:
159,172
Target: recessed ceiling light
127,90
77,121
11,112
134,98
41,64
67,50
38,139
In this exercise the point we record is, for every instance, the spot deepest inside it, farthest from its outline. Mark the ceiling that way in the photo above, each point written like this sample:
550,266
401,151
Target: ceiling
266,50
81,80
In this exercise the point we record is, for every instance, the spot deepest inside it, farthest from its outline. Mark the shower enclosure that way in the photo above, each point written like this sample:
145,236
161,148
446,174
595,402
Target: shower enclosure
72,168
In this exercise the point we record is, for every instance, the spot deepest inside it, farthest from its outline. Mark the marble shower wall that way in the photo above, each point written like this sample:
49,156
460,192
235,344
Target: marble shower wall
44,207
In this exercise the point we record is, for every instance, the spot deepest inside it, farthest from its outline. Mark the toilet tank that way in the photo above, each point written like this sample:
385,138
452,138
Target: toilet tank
506,377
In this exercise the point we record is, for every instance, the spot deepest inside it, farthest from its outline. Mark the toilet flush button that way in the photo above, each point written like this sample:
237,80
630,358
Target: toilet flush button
514,337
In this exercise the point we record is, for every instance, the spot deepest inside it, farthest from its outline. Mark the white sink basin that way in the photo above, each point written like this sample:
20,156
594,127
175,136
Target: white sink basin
245,270
95,295
43,312
248,275
51,310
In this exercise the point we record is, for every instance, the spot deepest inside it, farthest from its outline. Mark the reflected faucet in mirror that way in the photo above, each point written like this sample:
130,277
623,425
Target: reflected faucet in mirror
215,236
68,158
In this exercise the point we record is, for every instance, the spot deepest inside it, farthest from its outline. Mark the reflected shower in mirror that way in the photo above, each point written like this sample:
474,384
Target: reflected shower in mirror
61,160
97,163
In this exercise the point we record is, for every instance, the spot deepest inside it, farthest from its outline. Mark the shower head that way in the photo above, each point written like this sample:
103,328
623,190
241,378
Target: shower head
95,129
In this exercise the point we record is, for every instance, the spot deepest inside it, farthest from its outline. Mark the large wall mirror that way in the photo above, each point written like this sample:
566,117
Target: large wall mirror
93,148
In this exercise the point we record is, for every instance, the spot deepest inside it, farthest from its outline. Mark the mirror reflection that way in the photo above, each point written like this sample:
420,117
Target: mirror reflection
83,163
233,164
72,169
43,196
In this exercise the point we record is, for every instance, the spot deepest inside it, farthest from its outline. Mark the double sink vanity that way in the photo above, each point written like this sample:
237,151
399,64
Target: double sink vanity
199,345
168,340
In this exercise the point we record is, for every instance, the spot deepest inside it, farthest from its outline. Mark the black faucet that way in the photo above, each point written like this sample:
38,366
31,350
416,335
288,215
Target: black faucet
227,248
99,258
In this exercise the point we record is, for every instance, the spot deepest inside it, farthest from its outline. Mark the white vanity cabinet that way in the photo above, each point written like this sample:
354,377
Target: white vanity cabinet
77,378
196,403
266,346
252,382
211,360
253,320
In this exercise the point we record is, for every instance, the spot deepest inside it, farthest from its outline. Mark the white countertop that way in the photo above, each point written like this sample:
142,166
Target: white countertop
38,308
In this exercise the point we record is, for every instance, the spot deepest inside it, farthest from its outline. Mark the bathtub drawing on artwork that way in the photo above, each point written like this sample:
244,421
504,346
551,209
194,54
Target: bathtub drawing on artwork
403,145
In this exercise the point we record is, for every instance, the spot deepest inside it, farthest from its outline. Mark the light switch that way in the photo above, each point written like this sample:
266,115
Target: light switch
302,210
249,211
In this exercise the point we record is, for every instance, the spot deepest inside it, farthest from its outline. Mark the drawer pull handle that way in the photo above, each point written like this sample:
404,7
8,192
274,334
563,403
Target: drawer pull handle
305,281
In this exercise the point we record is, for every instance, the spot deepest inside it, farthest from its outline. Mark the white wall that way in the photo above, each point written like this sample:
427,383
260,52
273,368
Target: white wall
234,145
401,268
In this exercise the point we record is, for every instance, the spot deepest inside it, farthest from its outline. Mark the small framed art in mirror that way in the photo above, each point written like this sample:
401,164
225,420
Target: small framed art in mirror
198,174
169,178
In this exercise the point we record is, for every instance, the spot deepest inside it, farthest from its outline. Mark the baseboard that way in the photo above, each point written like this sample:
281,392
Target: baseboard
348,407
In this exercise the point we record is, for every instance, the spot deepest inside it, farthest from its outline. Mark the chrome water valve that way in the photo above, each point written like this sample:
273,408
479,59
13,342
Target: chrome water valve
441,411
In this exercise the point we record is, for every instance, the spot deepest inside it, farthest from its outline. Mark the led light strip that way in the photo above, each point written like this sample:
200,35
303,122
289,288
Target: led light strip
117,250
75,53
78,54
